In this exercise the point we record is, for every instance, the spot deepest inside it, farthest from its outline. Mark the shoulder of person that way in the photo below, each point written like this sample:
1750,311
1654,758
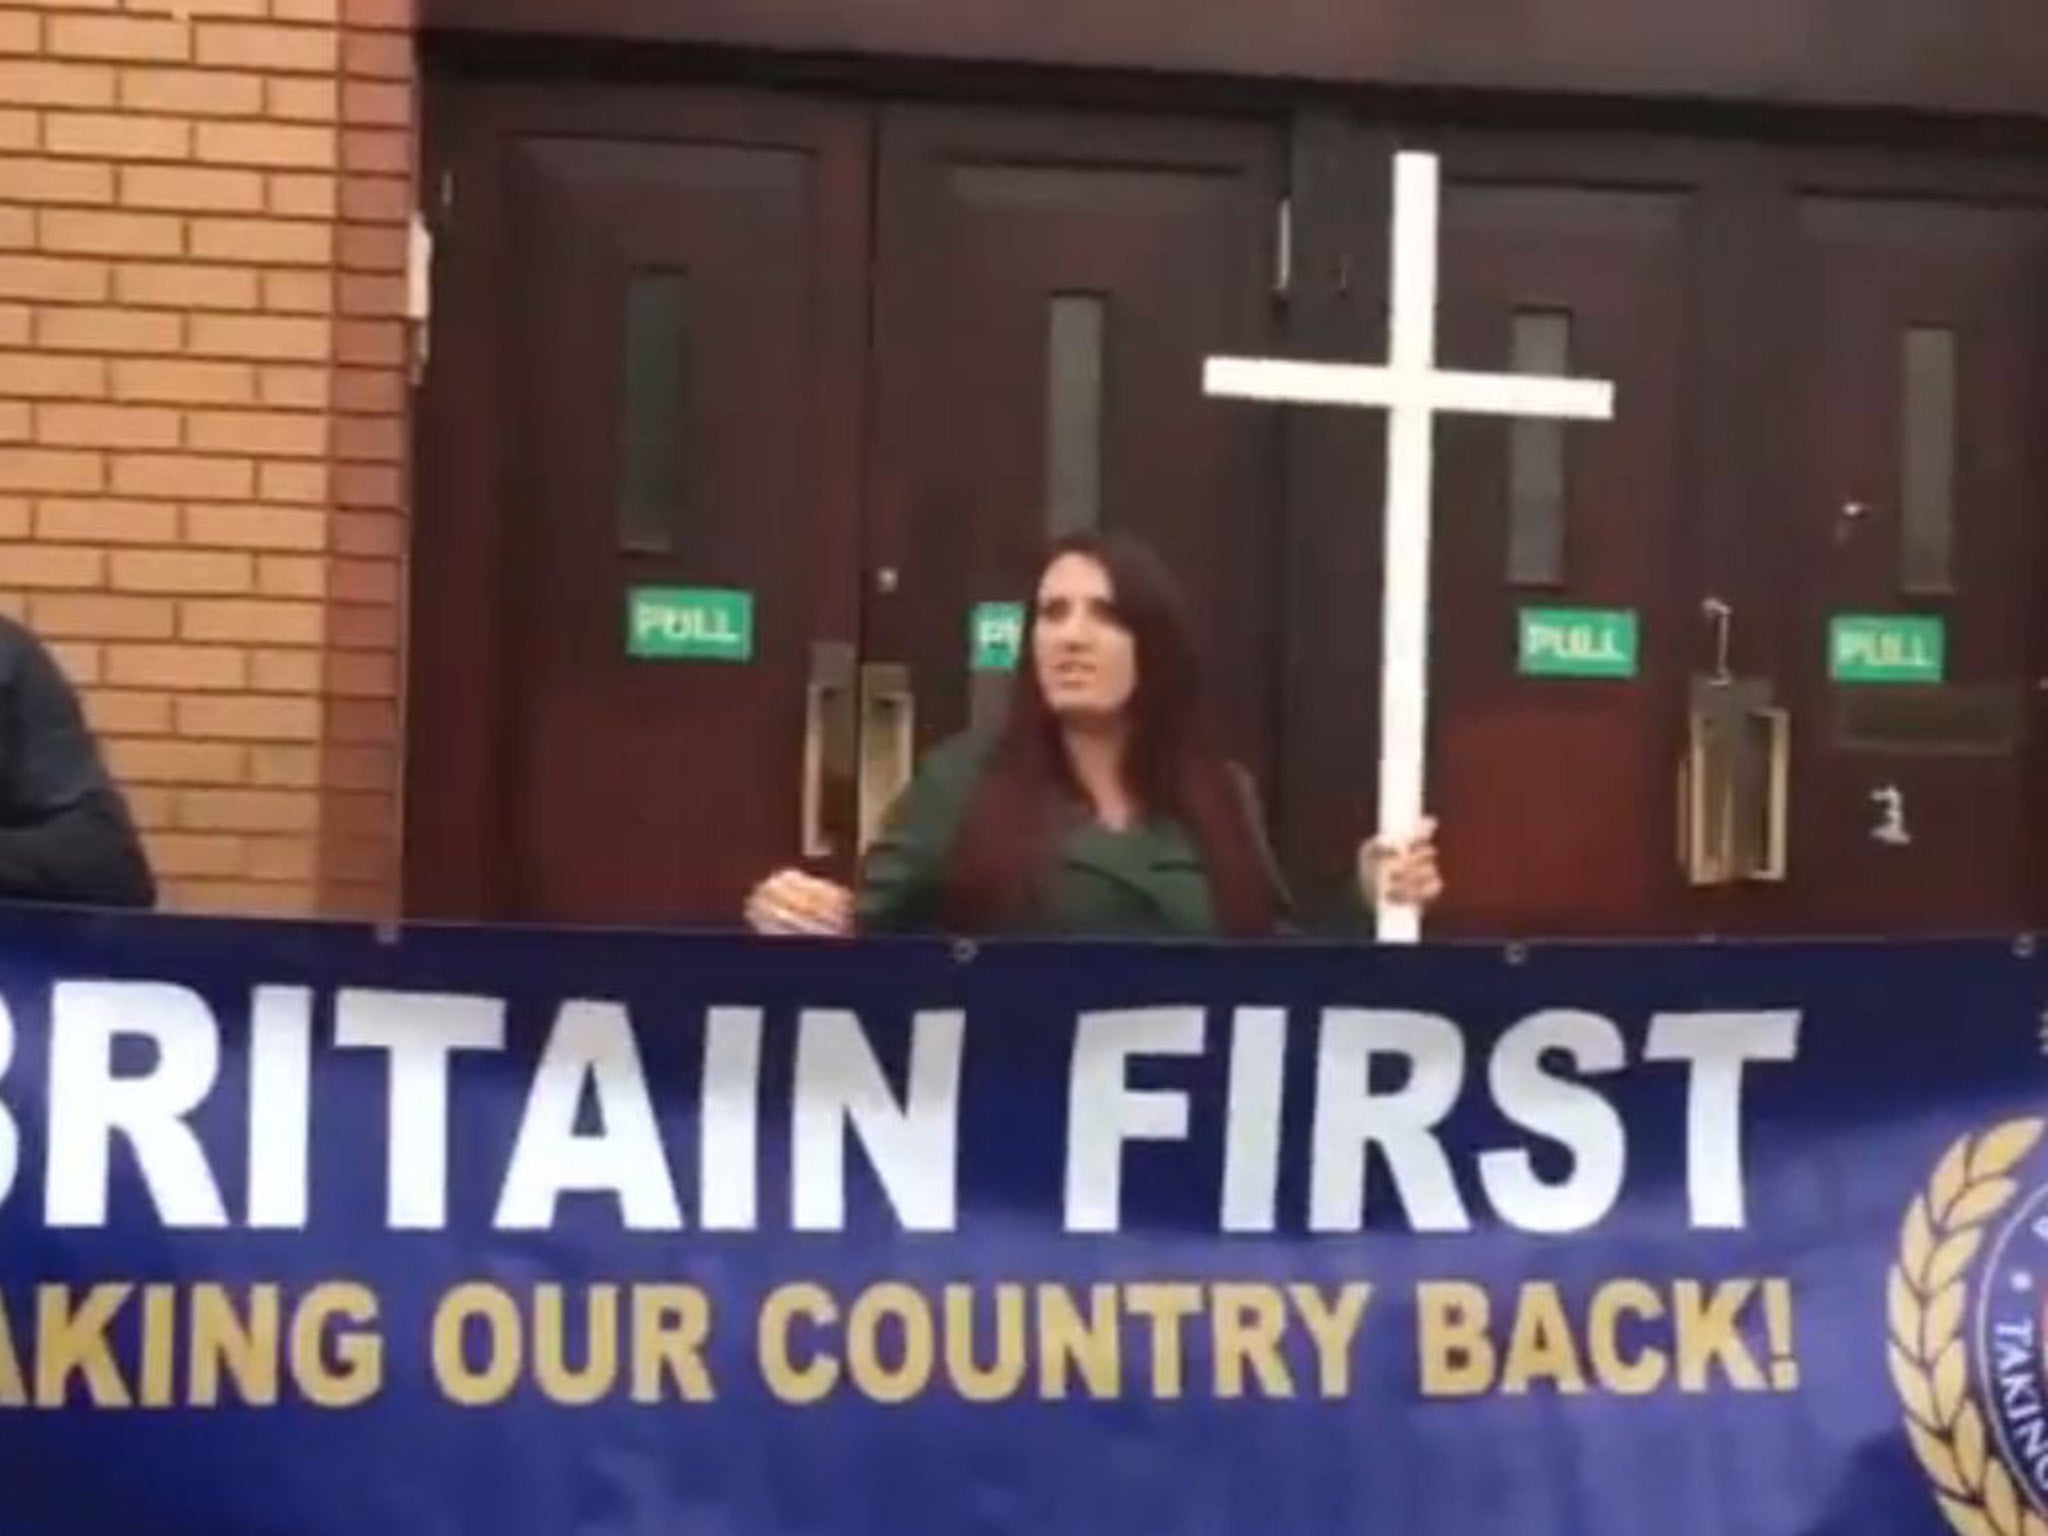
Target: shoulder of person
18,643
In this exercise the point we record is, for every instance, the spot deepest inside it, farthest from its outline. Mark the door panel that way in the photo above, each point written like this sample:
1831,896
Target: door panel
1922,361
677,344
1047,288
1555,790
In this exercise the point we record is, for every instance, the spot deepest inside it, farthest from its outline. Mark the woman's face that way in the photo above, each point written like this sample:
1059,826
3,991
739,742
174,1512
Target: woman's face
1087,663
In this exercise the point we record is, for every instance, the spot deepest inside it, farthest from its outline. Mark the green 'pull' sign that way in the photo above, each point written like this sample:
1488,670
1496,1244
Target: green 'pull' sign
1882,648
995,632
689,624
1576,642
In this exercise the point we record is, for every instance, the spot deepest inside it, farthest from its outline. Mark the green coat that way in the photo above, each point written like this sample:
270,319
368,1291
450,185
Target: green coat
1144,882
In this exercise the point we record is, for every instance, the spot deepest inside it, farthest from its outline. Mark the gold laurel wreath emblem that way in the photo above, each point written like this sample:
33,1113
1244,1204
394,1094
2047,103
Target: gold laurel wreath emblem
1942,1236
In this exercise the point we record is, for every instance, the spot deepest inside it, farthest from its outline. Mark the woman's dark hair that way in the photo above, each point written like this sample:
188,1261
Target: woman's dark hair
1009,839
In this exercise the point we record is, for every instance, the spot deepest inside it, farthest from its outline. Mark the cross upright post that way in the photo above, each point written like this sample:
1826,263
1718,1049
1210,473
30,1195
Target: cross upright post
1413,391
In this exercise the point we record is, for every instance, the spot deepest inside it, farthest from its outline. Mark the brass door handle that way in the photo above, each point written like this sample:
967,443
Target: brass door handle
828,739
1734,785
888,741
1771,859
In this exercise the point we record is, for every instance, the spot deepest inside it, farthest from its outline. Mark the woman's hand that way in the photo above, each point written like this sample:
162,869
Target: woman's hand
790,901
1404,873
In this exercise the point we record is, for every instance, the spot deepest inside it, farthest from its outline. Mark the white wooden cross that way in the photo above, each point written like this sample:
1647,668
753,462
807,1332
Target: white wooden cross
1412,390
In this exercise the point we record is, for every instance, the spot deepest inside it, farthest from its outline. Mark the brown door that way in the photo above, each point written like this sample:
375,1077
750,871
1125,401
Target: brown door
1914,567
1047,288
670,337
1558,551
641,514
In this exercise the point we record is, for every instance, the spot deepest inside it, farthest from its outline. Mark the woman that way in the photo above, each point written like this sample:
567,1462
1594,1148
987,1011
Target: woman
1103,807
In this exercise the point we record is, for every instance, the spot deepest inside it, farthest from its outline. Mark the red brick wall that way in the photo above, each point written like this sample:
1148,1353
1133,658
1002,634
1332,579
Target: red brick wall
203,210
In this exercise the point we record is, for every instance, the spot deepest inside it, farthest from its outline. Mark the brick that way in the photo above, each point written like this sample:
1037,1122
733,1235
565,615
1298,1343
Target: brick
14,325
125,712
371,343
362,627
363,674
182,571
107,426
250,621
139,760
371,248
316,101
103,520
14,605
266,144
184,383
50,280
20,32
375,439
197,853
97,616
63,566
182,477
50,83
274,337
375,296
328,11
240,898
376,152
362,768
285,767
79,660
291,576
302,50
41,376
301,483
275,242
46,181
309,389
305,293
266,434
196,92
369,199
110,330
179,285
373,103
370,722
285,671
135,38
378,56
374,535
18,129
249,717
151,803
192,189
367,485
80,233
50,469
234,527
14,517
281,858
383,15
177,667
124,136
17,228
14,421
297,195
369,391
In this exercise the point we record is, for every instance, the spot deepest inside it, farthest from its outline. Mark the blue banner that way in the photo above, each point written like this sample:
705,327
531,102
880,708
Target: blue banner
311,1229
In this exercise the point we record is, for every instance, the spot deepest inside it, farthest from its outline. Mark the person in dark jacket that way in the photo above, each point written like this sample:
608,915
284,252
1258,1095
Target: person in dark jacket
66,835
1104,806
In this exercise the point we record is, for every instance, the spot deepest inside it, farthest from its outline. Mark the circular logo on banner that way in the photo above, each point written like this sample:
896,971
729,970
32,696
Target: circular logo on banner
1968,1315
